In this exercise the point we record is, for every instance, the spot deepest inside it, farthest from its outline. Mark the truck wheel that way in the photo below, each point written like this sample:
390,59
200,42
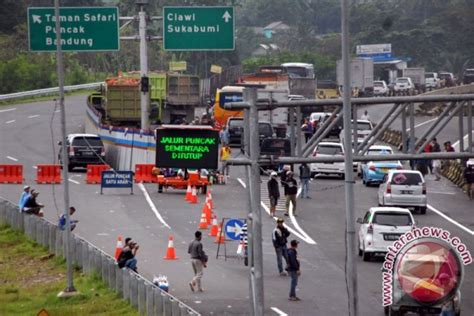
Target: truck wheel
70,167
366,256
394,312
385,310
160,188
204,189
423,210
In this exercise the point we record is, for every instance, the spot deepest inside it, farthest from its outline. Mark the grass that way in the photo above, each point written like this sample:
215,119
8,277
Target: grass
43,98
30,279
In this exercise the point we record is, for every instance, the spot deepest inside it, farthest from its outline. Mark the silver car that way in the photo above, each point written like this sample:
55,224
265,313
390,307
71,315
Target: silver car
404,188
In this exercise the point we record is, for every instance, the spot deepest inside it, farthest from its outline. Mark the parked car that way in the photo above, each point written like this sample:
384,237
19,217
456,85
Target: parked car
432,80
83,150
380,88
328,149
373,172
235,126
380,227
404,84
405,188
468,76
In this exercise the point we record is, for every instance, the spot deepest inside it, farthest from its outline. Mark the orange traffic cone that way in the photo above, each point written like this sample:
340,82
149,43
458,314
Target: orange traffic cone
214,228
220,238
209,198
206,209
188,195
118,248
194,198
170,253
203,222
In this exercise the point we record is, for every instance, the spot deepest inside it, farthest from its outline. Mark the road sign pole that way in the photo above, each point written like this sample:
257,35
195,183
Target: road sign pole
67,233
144,101
257,269
351,265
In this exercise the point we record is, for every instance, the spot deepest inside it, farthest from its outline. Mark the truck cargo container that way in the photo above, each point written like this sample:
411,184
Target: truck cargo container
362,76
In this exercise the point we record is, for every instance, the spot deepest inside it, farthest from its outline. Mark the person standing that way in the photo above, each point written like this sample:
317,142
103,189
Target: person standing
273,192
469,178
198,261
224,136
293,269
305,175
280,239
307,129
365,116
24,197
290,188
62,220
225,155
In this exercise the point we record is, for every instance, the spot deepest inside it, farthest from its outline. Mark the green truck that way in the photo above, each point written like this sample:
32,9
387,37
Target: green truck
173,97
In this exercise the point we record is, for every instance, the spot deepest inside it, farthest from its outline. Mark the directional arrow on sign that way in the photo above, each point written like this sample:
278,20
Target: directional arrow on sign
36,19
226,16
236,229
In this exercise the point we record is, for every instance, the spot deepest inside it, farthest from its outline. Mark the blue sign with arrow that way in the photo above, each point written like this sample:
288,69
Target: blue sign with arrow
233,229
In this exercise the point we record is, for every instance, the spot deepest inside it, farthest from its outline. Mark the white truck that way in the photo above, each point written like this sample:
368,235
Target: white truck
417,76
362,76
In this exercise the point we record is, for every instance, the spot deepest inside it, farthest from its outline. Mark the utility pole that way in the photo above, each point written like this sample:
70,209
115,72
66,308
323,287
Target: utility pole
257,255
145,98
351,265
69,290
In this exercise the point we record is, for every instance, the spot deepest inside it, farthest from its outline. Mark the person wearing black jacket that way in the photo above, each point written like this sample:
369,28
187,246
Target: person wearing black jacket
291,188
273,192
469,177
293,269
279,237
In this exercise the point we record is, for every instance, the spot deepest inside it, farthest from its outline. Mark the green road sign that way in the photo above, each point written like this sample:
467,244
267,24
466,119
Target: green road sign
198,28
82,29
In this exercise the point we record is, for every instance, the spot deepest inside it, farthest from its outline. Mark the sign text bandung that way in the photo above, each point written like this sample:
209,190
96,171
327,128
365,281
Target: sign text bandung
198,28
186,148
82,29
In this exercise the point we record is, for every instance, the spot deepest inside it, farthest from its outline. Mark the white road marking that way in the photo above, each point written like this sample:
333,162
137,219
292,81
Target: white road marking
57,111
437,192
9,122
456,143
152,205
102,234
309,240
8,110
423,123
33,116
449,219
300,235
35,167
74,181
12,158
279,312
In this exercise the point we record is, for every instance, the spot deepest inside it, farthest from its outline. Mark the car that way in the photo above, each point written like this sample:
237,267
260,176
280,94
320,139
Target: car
274,148
328,149
235,126
432,80
83,150
380,88
449,79
468,76
373,172
335,130
404,188
380,227
404,84
364,128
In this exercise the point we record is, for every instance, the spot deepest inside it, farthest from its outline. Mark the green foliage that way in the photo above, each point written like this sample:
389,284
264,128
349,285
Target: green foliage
31,281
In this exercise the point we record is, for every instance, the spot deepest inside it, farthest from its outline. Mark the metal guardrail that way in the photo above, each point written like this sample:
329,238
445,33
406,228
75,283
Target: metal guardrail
148,298
48,91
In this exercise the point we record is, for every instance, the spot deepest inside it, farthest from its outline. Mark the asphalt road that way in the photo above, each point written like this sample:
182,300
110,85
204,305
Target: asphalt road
28,137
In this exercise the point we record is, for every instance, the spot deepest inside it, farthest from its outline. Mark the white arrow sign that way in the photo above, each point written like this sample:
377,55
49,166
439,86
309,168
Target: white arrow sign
226,16
37,19
236,229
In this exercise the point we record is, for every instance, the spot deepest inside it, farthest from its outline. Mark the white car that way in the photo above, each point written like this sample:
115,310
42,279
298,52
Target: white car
364,128
404,84
380,88
328,149
380,227
318,116
404,188
432,80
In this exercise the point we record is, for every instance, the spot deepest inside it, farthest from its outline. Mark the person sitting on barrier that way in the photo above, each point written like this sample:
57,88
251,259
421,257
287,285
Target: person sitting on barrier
62,220
127,256
24,197
32,206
